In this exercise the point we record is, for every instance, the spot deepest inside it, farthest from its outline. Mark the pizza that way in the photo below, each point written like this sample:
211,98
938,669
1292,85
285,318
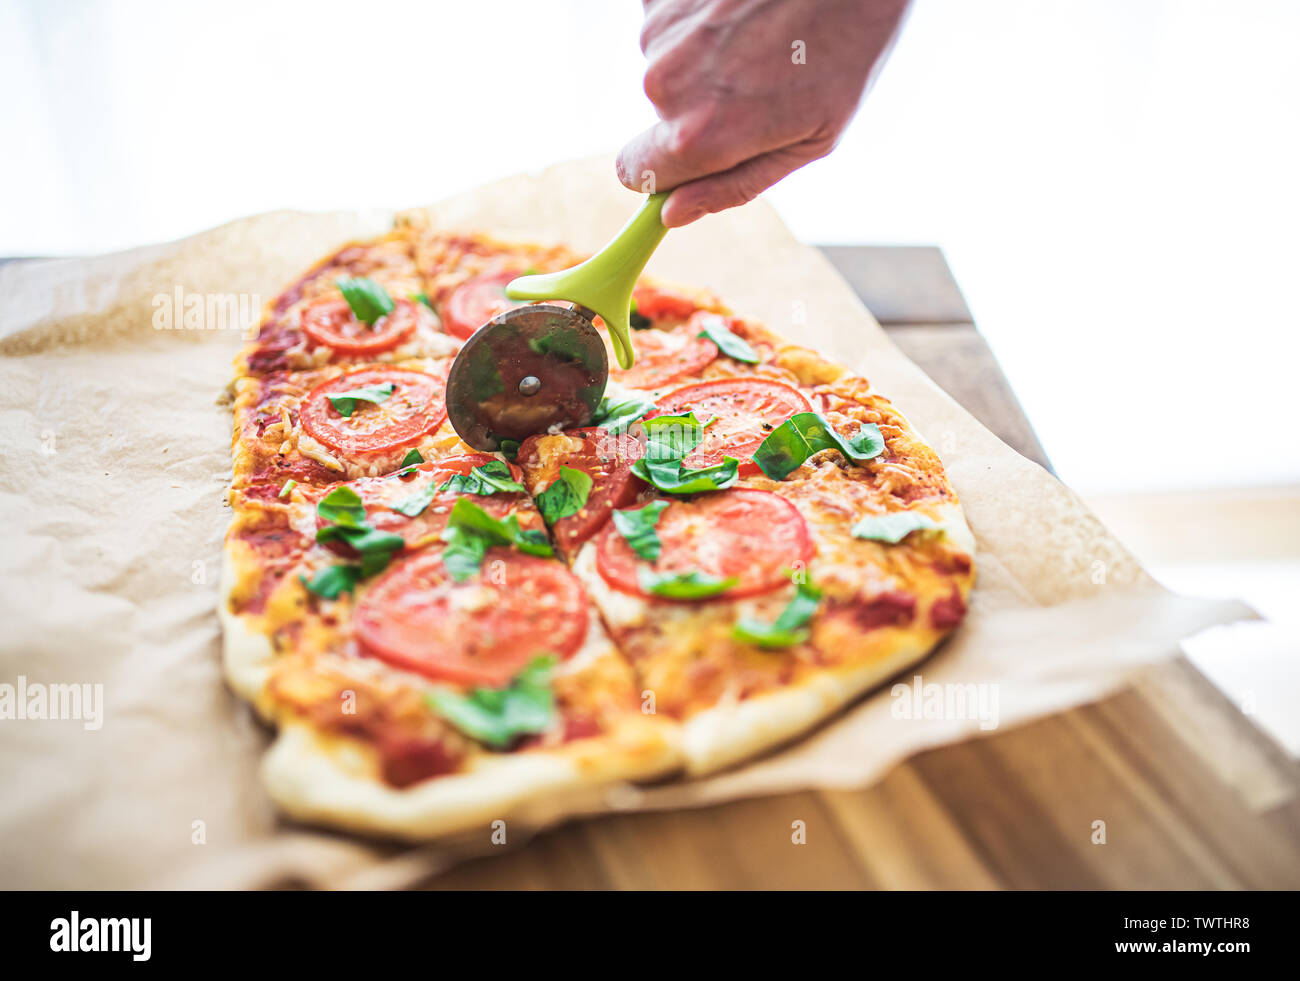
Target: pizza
745,539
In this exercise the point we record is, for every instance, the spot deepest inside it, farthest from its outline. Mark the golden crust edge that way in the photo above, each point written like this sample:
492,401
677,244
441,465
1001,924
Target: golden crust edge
308,781
719,737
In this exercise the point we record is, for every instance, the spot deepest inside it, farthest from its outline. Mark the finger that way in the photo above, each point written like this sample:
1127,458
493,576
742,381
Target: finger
734,187
651,161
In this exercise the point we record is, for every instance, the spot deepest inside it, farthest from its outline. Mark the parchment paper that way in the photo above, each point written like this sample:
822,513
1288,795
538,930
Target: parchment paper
115,465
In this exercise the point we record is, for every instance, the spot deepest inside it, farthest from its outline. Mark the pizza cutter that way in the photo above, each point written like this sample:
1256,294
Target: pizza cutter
543,366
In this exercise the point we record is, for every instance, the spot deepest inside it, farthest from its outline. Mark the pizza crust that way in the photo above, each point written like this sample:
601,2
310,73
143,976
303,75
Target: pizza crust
726,734
247,655
314,778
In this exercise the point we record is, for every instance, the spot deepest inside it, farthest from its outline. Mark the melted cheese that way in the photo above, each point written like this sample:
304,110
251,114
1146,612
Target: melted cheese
620,610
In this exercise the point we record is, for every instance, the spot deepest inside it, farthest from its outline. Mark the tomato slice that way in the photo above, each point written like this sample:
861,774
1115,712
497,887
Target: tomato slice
663,356
476,301
415,408
478,632
330,321
653,302
744,411
750,534
381,495
604,457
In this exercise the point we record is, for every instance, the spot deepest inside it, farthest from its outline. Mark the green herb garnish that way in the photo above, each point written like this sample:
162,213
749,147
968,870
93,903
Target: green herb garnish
789,628
671,477
790,444
683,585
369,300
668,439
490,478
497,716
715,328
346,402
619,410
892,528
471,531
287,489
566,496
344,519
333,580
638,527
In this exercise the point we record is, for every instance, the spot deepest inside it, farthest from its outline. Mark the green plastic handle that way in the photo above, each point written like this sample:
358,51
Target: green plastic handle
604,283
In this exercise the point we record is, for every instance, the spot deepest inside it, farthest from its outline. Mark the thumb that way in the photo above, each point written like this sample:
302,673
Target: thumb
648,162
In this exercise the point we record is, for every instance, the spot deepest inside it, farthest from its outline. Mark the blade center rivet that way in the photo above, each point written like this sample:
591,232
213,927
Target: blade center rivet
530,385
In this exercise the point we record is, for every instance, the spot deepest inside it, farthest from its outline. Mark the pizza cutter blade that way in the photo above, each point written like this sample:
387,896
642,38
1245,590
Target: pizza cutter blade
529,370
544,366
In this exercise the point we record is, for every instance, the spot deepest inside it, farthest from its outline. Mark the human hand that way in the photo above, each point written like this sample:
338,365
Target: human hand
748,91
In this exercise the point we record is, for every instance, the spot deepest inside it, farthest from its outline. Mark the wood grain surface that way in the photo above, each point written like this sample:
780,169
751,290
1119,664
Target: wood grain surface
1192,794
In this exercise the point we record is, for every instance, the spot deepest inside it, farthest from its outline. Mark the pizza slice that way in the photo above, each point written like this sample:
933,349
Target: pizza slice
363,303
429,663
339,422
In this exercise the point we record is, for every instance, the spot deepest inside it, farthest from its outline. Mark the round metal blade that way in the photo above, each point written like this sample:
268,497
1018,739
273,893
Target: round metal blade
529,370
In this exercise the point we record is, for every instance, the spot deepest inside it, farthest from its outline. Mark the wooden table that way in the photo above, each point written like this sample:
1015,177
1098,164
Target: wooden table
1192,793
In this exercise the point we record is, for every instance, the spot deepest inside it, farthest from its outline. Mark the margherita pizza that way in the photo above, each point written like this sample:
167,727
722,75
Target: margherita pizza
746,538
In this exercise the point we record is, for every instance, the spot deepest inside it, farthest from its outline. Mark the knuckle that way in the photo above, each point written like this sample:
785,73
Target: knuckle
657,84
693,137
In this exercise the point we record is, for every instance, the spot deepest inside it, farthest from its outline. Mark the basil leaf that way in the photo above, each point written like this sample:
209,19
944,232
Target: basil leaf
892,528
714,327
375,560
344,518
471,531
497,716
617,412
490,478
790,444
369,300
414,505
412,458
287,489
683,585
342,506
638,527
463,553
363,539
510,449
672,478
332,581
566,496
346,402
637,321
668,440
789,628
672,437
